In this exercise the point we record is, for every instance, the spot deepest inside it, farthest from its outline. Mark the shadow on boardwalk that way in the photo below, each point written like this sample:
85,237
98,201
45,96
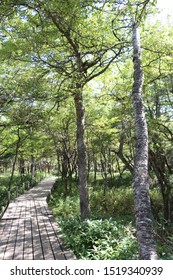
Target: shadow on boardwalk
28,230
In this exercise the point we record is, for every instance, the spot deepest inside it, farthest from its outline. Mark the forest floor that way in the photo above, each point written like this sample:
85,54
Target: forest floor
110,234
28,229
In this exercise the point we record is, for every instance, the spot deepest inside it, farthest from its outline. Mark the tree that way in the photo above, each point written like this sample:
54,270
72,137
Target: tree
143,212
60,38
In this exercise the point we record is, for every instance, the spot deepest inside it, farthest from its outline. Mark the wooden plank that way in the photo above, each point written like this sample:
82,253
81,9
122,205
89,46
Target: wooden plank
46,246
11,232
8,230
19,247
53,239
5,237
68,254
2,227
28,242
36,235
37,245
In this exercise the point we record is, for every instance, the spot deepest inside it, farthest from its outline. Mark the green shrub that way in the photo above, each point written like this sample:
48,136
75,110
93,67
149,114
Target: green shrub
157,202
100,239
65,207
165,248
3,194
115,202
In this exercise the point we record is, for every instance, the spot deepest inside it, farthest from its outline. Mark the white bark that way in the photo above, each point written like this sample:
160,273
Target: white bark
147,248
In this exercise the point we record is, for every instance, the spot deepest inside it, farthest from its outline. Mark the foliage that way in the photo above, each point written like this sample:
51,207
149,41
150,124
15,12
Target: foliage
100,239
97,238
114,202
107,235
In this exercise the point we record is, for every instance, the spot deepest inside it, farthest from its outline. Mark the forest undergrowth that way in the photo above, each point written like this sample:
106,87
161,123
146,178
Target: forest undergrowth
110,234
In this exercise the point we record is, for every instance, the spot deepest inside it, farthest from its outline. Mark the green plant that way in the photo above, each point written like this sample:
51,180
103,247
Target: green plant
100,239
110,233
114,201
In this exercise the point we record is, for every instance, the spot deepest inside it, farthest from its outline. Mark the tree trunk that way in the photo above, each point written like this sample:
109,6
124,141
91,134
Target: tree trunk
32,170
121,155
21,166
82,155
146,244
95,170
158,164
12,173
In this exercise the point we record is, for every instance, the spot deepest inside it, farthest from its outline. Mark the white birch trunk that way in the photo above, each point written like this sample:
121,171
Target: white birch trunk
147,248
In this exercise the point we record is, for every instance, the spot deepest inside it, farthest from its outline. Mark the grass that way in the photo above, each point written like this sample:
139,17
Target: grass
110,233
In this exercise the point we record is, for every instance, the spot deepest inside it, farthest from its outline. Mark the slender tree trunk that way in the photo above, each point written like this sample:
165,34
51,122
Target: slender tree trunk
121,155
32,170
12,173
82,154
95,170
22,166
158,165
58,163
147,248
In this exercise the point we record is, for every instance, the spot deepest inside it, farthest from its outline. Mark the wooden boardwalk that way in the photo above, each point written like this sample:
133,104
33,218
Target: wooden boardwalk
28,230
